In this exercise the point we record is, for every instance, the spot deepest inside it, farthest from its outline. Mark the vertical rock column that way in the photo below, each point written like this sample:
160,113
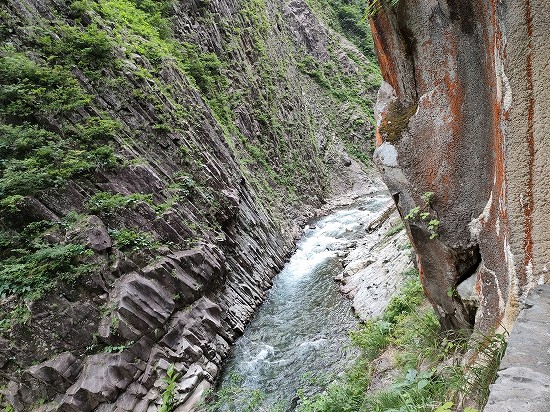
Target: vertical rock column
461,148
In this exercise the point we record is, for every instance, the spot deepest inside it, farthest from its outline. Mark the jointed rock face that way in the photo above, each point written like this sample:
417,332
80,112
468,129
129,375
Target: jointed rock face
156,167
463,136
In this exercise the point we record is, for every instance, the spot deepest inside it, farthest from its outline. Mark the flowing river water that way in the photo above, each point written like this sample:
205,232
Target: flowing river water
301,330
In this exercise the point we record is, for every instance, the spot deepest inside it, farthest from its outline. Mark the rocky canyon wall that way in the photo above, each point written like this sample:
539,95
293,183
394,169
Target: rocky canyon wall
462,134
157,160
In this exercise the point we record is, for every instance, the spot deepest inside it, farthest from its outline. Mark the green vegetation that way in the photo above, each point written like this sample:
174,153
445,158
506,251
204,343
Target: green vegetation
348,17
374,6
170,389
64,79
35,271
340,85
142,29
36,158
105,203
117,348
396,121
395,228
432,376
88,47
234,394
427,363
359,154
17,316
425,214
30,267
133,240
31,88
31,264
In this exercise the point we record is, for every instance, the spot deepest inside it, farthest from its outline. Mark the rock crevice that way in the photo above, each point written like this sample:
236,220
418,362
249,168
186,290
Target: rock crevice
476,140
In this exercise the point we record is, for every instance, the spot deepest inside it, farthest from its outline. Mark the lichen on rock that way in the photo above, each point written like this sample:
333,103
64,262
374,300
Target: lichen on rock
476,140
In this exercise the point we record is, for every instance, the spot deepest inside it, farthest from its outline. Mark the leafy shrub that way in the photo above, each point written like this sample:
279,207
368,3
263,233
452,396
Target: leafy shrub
10,205
87,47
157,11
22,177
414,392
376,5
36,159
204,68
19,315
132,240
50,166
96,129
141,32
168,395
35,271
31,88
107,203
19,141
80,7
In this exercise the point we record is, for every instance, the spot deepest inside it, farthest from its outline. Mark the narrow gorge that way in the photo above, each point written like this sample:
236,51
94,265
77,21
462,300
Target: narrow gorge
160,161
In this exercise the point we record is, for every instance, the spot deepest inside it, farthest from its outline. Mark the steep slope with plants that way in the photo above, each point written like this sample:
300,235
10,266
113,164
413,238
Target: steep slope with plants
462,136
156,159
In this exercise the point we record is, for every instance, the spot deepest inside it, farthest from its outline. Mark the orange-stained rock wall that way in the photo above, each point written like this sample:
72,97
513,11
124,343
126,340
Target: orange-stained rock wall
463,114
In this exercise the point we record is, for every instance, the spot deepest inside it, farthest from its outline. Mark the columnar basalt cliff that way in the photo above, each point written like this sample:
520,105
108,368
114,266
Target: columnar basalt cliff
157,158
462,136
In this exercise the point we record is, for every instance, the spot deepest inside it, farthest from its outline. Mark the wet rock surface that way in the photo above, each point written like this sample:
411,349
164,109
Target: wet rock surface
523,381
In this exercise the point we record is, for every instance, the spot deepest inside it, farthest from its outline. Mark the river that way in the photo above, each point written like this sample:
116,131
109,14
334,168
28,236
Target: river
299,336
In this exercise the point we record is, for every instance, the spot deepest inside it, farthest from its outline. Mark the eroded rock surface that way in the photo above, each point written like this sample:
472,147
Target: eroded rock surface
523,381
373,270
462,126
217,154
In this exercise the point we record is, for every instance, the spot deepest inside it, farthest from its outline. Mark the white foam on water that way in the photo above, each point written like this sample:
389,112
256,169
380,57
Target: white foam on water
303,323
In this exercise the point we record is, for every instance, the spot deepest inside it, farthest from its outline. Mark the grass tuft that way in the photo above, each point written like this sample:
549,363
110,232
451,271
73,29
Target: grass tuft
432,376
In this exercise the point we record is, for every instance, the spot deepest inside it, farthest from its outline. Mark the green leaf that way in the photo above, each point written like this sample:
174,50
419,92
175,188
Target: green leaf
411,375
422,384
434,223
413,213
445,407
